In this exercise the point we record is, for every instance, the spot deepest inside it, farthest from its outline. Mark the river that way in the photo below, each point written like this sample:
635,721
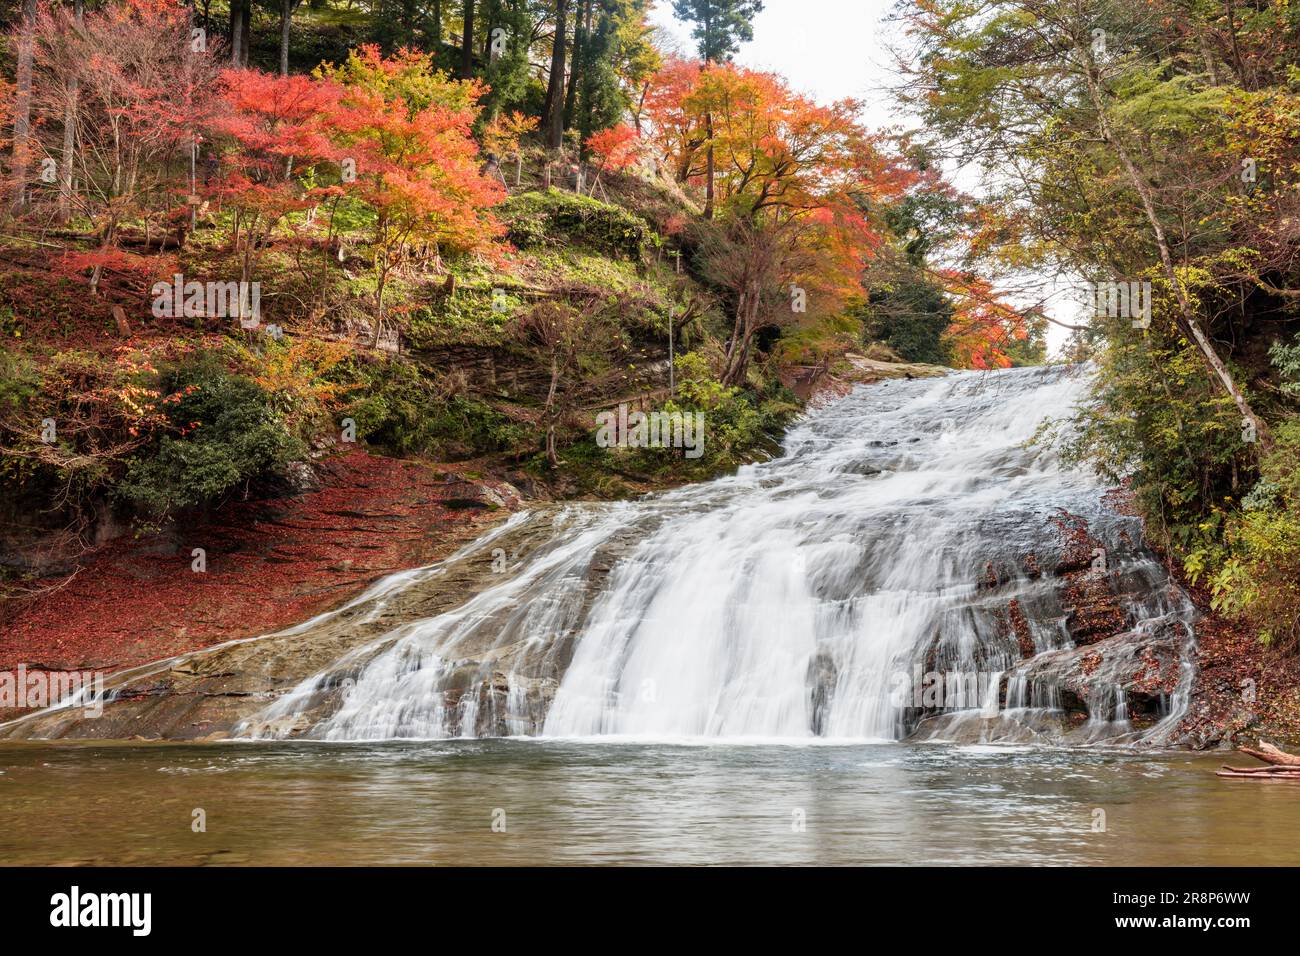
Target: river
570,802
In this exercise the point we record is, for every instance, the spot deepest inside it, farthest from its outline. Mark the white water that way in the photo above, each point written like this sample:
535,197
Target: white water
782,602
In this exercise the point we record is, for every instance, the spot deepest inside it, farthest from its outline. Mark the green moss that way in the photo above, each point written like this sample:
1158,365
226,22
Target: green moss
401,410
470,317
552,217
580,267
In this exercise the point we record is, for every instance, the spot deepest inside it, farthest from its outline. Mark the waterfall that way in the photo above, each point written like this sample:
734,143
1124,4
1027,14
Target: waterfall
904,567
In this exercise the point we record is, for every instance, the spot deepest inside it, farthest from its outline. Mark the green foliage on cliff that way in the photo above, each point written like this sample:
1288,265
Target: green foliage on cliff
222,433
402,410
739,425
555,218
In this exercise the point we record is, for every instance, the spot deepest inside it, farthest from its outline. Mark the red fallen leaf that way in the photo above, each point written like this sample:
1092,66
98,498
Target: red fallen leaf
270,564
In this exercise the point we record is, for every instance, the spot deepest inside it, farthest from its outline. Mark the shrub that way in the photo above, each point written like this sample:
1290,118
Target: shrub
1253,566
739,424
223,432
99,411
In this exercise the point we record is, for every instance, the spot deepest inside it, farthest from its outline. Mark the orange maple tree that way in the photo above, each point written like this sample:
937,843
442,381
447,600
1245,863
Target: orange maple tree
405,128
793,182
275,128
617,147
983,326
504,136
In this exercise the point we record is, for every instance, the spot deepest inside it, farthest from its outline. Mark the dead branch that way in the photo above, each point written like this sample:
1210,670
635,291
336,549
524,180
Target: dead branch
1280,765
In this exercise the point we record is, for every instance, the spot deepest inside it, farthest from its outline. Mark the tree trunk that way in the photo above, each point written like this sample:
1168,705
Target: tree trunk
1280,765
379,309
489,14
69,133
236,30
467,43
408,22
640,107
437,27
552,458
742,332
578,62
246,39
23,108
69,144
709,168
1272,755
554,110
1216,366
1238,66
286,20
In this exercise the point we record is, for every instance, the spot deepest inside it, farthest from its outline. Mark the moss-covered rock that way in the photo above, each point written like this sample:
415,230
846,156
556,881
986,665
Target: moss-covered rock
552,218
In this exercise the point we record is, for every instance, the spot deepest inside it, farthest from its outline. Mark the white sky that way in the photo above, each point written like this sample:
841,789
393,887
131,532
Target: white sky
833,49
830,49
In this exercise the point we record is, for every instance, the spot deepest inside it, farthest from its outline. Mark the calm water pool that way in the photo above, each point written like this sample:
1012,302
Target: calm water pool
568,802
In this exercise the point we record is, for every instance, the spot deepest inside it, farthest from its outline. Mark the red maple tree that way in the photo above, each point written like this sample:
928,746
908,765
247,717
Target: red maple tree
405,129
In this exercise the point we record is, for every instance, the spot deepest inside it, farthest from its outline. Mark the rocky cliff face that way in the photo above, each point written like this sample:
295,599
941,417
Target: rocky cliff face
1083,658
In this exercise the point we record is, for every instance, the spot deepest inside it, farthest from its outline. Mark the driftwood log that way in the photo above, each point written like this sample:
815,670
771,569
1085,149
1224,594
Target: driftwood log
1279,765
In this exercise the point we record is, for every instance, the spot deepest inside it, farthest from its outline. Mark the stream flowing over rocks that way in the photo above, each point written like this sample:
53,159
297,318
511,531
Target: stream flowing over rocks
910,567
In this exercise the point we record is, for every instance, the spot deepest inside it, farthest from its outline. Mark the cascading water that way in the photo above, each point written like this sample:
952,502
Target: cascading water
905,567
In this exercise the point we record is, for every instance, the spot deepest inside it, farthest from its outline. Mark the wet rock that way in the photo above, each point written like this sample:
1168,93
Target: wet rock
1129,676
216,689
301,478
1094,609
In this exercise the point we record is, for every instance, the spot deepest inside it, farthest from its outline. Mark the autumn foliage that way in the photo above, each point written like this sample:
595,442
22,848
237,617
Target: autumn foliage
406,130
135,124
983,326
796,183
504,134
269,129
614,148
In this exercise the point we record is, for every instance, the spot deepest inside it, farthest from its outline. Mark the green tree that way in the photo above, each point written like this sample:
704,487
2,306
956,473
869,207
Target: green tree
909,315
1122,146
720,26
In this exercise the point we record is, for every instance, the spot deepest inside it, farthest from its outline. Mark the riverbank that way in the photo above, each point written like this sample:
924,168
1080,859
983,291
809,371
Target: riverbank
1244,690
266,565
